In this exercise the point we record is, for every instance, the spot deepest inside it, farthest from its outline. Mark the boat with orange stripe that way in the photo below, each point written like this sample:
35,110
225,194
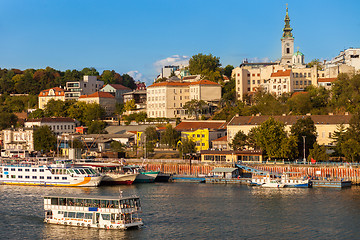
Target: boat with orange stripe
61,175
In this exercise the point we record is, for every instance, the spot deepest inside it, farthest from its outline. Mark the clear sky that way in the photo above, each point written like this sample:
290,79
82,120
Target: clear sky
138,36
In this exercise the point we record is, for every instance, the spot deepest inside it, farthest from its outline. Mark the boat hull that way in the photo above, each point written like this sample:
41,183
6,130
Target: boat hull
119,179
77,223
146,177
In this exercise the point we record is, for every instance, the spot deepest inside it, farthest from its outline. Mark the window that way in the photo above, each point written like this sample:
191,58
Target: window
33,170
6,169
198,135
258,74
48,178
253,81
27,170
329,134
309,75
249,82
287,50
64,178
20,176
297,83
13,176
284,86
301,82
13,169
258,81
253,74
41,170
34,177
41,177
56,178
27,177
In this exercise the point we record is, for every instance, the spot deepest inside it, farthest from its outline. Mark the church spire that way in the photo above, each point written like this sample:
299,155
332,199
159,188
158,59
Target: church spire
287,29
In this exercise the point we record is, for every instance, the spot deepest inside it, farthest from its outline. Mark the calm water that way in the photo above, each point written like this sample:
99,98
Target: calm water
197,211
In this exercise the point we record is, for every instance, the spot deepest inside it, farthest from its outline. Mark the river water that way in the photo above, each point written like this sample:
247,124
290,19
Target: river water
196,211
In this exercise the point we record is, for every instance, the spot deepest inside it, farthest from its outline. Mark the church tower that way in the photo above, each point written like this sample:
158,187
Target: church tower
287,42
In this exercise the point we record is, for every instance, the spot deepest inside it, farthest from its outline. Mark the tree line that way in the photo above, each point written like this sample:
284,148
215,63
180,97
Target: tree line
32,81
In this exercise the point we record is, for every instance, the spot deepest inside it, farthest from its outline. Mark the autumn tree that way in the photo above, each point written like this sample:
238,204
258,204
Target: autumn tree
96,127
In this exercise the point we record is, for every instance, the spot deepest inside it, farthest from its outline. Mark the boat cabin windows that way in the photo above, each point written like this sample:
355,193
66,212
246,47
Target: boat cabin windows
105,217
100,203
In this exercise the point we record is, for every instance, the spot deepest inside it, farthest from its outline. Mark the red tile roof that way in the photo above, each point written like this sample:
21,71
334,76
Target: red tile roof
119,87
326,79
192,126
222,139
280,73
58,92
204,82
98,95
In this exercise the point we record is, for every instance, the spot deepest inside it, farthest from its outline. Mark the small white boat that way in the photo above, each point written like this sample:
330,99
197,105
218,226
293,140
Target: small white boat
273,184
95,212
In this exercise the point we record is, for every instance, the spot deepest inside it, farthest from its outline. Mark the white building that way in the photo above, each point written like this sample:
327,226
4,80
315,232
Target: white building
57,125
117,90
18,139
350,57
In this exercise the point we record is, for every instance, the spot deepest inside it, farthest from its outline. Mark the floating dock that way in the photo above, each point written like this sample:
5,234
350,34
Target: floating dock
227,180
188,179
331,183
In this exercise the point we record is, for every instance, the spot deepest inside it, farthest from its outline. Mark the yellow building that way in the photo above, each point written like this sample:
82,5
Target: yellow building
202,132
55,93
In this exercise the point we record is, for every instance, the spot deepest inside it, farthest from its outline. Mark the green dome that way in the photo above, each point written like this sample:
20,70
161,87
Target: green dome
298,53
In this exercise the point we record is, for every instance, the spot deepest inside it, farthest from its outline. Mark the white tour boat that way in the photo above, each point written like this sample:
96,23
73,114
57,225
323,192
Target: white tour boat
284,181
96,212
62,175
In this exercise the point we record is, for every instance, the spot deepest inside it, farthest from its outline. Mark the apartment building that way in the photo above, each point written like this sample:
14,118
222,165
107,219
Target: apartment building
167,99
89,85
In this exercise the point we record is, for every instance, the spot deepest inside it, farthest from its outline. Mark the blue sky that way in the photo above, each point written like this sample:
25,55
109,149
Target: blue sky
139,36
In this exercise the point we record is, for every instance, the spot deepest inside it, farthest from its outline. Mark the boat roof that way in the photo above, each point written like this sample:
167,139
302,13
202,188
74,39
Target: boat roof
223,169
97,164
93,197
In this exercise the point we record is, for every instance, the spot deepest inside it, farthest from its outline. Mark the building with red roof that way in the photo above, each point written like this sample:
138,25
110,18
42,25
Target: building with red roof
117,90
46,95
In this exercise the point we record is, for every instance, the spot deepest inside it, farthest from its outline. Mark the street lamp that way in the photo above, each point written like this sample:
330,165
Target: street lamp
304,149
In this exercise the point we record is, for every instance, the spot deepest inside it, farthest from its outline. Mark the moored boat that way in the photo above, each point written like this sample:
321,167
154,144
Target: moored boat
62,175
95,212
144,175
113,173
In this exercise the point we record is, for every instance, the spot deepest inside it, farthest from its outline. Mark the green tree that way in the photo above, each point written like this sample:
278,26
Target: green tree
186,147
93,112
228,71
339,137
315,62
96,127
151,138
117,146
304,127
351,149
128,81
269,136
208,66
90,71
299,103
55,108
318,153
195,107
345,93
7,120
239,141
170,136
38,113
44,139
130,105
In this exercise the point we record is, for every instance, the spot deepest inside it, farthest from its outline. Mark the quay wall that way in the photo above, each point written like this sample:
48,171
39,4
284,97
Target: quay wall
322,172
